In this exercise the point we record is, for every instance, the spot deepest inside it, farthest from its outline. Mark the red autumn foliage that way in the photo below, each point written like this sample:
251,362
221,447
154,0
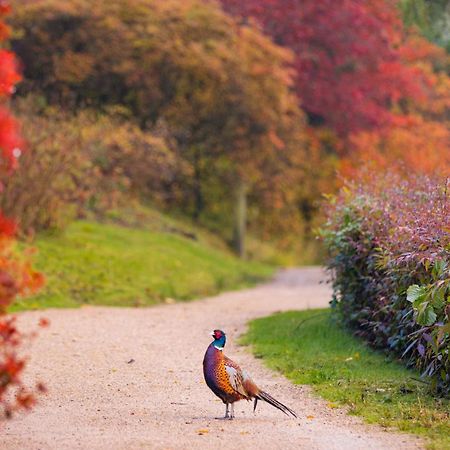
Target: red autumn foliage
414,146
418,140
16,274
348,58
383,89
7,226
8,72
10,140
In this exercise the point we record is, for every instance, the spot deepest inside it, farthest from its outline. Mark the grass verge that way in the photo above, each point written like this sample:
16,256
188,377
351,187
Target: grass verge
106,264
310,348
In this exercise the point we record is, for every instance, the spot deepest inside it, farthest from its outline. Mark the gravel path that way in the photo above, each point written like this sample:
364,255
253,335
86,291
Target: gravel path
98,400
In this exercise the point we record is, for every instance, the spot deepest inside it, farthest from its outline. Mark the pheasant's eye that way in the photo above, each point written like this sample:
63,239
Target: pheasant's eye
217,334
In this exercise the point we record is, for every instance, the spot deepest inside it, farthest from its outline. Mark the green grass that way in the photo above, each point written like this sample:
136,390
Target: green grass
107,264
310,348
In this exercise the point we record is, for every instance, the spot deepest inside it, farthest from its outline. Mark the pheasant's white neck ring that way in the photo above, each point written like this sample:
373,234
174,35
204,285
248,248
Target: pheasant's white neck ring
218,347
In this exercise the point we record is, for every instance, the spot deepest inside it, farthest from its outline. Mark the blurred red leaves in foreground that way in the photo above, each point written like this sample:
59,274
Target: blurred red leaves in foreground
16,274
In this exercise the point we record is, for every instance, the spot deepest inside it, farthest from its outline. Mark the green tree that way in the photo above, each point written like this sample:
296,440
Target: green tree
431,16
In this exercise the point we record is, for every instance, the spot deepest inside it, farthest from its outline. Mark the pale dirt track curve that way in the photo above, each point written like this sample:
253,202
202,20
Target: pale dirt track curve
97,400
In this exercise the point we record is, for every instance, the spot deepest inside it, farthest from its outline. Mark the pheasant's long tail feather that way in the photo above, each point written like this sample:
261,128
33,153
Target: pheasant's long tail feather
269,399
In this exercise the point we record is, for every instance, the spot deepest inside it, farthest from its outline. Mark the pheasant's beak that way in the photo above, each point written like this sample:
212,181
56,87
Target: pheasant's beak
212,334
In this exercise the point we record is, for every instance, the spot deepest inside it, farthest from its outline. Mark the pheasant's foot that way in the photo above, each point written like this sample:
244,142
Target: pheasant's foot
232,411
228,414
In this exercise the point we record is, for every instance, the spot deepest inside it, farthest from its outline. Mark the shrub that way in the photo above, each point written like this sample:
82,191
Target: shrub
128,161
54,176
389,255
74,163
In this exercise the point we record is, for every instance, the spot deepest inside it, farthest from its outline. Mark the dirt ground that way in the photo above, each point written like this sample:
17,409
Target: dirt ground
132,379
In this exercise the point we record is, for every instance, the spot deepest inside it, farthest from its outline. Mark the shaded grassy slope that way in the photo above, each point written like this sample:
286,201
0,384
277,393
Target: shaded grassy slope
106,264
309,348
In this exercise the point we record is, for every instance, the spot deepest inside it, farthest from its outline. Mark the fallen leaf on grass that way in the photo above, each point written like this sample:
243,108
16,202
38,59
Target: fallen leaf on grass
310,417
202,431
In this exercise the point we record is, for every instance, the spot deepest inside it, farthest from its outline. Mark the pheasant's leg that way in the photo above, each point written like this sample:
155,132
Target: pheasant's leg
232,411
227,412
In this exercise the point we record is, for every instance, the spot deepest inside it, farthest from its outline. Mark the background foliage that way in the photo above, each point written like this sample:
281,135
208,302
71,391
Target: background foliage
431,16
220,92
84,161
239,102
372,81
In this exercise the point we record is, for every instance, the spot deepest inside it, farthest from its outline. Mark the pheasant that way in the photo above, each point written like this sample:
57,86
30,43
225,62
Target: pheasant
231,384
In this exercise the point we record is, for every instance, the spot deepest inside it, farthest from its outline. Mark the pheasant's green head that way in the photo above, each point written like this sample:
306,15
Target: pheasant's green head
219,339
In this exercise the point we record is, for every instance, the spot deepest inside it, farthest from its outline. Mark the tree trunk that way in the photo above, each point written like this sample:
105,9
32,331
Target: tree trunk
199,201
240,217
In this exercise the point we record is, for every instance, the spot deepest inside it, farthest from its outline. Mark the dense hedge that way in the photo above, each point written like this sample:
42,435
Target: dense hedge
389,256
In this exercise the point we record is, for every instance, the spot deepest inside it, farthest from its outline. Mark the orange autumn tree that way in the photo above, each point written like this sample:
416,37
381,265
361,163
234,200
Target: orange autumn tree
16,275
418,139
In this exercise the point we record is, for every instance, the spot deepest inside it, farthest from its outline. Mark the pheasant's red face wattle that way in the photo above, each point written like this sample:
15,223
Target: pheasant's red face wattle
217,334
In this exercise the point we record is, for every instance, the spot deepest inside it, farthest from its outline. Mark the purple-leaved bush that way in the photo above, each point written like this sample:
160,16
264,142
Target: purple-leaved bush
388,241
